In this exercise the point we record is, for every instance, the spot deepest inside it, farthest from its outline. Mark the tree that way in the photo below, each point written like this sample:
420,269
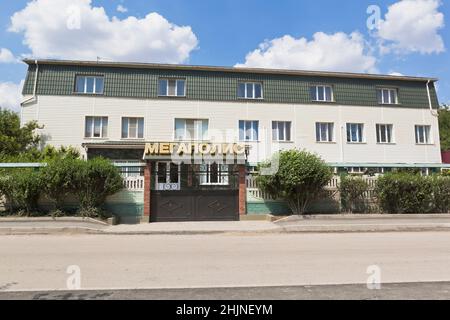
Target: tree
352,191
14,139
94,181
444,127
300,179
58,179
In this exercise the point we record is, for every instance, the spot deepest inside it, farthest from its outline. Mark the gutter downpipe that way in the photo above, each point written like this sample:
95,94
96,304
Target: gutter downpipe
33,98
429,100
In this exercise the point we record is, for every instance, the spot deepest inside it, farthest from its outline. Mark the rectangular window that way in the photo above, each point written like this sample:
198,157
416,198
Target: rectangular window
324,132
423,134
281,130
89,85
248,130
355,132
132,128
134,169
322,93
357,170
191,129
172,88
384,133
214,174
387,96
96,127
250,90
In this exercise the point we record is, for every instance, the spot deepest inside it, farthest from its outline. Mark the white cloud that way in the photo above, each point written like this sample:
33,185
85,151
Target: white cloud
412,26
11,95
6,56
398,74
331,52
121,9
74,29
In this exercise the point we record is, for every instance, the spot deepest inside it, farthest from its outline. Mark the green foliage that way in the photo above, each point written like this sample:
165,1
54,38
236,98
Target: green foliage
50,153
22,188
14,139
300,178
94,181
58,179
441,193
405,193
352,191
444,128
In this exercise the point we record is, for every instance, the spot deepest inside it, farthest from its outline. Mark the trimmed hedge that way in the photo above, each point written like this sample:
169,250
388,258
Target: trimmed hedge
91,181
352,191
413,193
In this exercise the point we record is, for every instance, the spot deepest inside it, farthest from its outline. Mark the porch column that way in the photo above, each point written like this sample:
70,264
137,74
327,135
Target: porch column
147,192
242,191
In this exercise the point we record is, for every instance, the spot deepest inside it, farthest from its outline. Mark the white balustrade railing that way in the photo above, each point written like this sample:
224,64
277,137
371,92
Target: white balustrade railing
332,186
134,183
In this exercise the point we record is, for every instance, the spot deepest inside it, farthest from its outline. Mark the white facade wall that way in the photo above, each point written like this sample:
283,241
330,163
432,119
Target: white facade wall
64,121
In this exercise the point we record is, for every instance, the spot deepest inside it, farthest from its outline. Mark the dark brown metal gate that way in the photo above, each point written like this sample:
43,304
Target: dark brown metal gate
195,205
194,194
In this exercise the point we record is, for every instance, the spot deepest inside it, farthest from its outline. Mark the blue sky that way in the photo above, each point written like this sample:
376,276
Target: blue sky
224,32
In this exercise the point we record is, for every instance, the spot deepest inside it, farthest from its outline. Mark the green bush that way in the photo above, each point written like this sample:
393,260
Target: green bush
300,178
352,191
22,189
58,179
91,181
6,190
94,181
405,193
441,194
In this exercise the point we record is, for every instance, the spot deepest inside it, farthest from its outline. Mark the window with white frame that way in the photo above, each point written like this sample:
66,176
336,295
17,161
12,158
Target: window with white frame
356,170
132,128
214,174
172,88
96,127
281,131
250,90
248,130
321,93
355,132
385,133
387,96
325,132
89,84
423,134
133,170
191,129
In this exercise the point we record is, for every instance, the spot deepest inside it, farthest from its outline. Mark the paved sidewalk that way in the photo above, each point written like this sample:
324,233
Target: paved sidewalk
365,223
293,224
194,227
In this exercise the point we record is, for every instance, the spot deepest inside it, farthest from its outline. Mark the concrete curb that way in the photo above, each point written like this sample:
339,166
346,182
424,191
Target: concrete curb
361,216
50,219
365,228
281,230
47,231
286,226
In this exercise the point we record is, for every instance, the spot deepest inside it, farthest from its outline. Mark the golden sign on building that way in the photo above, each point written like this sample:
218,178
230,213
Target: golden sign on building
192,148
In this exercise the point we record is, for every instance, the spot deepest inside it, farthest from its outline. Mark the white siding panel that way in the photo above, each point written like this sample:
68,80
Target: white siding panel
63,118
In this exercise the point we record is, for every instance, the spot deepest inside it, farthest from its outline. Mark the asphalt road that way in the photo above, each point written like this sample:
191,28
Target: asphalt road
41,263
399,291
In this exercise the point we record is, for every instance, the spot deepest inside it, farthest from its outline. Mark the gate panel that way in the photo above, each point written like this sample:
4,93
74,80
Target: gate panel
195,205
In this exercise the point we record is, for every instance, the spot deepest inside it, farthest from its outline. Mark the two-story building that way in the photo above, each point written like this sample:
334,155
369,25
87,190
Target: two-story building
222,120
